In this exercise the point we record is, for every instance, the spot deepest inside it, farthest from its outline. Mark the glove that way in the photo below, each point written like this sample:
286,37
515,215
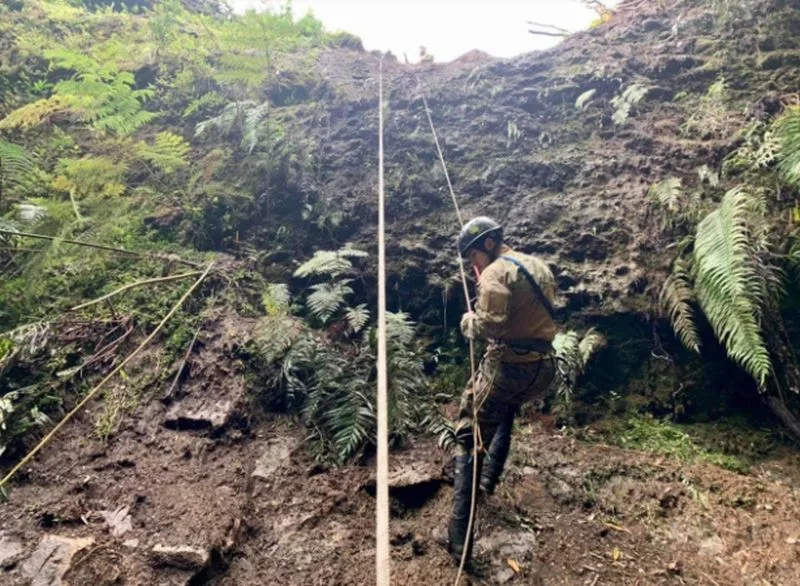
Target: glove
468,325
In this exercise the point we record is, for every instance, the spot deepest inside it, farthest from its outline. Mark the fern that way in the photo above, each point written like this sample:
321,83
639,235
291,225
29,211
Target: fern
16,166
245,117
276,299
625,102
252,125
209,100
168,153
787,132
357,317
572,356
668,193
33,114
326,299
90,176
676,296
583,100
274,335
731,287
329,262
31,213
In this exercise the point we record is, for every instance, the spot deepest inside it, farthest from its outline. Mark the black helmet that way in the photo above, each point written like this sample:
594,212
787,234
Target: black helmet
474,231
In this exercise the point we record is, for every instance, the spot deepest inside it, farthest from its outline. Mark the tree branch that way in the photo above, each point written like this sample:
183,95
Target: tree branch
136,284
550,26
104,247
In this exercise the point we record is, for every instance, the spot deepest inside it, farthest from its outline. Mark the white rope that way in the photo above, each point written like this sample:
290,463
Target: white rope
382,551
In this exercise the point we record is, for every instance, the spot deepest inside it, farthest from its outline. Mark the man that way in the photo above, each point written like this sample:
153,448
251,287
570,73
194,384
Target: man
514,313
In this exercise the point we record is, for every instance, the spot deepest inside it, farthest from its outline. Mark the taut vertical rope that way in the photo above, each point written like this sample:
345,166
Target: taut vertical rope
475,429
382,552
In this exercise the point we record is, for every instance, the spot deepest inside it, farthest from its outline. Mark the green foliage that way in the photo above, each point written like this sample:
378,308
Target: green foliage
624,102
572,357
357,317
731,284
712,115
676,299
168,153
759,151
708,176
208,100
326,299
16,166
333,387
787,134
329,262
247,118
276,299
89,176
668,193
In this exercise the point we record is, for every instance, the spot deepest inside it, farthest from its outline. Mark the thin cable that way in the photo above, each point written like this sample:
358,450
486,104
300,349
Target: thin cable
382,552
96,389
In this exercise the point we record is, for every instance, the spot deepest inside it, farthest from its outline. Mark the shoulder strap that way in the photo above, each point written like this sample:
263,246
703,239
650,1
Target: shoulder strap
537,290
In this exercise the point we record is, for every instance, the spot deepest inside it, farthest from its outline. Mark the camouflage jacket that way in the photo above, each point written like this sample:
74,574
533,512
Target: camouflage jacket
507,309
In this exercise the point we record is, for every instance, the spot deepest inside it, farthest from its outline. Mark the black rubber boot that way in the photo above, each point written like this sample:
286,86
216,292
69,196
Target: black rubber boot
462,504
497,454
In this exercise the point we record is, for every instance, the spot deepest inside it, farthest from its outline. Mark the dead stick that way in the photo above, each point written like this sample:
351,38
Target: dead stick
132,285
548,34
96,389
174,384
550,26
102,247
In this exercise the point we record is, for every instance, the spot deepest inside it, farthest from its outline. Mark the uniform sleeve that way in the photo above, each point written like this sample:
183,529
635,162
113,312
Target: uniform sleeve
492,309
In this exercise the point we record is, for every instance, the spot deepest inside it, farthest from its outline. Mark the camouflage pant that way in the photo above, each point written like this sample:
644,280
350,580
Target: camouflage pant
501,388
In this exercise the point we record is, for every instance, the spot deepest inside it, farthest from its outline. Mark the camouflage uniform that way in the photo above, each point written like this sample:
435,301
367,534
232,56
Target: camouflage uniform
510,315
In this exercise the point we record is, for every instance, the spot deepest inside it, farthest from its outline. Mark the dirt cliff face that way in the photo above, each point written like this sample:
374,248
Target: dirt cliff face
569,183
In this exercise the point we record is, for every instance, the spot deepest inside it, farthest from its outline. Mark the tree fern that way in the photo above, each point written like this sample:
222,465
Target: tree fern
252,125
33,114
676,297
226,121
168,153
624,102
787,131
327,298
730,285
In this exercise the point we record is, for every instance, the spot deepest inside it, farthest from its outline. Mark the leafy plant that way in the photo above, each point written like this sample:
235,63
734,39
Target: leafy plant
624,102
668,193
712,114
329,262
168,153
676,298
787,134
16,166
572,356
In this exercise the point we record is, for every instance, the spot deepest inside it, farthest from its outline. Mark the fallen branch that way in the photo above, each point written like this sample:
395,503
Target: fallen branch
548,34
175,381
91,394
550,26
103,247
132,285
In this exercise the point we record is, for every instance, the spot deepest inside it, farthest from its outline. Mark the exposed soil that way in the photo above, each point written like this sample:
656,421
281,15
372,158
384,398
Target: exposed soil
252,502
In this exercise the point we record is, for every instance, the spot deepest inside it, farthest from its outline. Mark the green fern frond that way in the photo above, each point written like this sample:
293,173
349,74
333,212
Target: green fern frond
252,125
168,153
676,296
668,193
730,287
326,299
276,299
583,100
787,132
591,343
566,346
208,100
275,335
16,166
29,213
33,114
226,121
357,317
329,262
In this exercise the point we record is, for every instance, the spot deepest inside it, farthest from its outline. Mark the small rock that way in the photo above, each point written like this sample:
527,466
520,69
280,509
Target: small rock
504,575
52,559
182,556
119,521
197,413
277,451
131,543
10,549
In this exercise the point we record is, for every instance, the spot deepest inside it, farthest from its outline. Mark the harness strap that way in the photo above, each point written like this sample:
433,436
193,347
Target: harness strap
537,290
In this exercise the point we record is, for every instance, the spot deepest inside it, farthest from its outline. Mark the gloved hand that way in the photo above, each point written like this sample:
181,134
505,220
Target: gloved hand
468,325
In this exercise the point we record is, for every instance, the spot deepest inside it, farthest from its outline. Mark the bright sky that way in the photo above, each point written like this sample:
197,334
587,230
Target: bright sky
447,28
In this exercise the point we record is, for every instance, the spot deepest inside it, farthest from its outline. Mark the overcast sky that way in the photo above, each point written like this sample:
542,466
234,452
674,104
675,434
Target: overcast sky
447,28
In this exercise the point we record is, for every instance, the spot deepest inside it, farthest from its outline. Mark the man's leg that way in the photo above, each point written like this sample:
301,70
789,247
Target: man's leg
495,459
